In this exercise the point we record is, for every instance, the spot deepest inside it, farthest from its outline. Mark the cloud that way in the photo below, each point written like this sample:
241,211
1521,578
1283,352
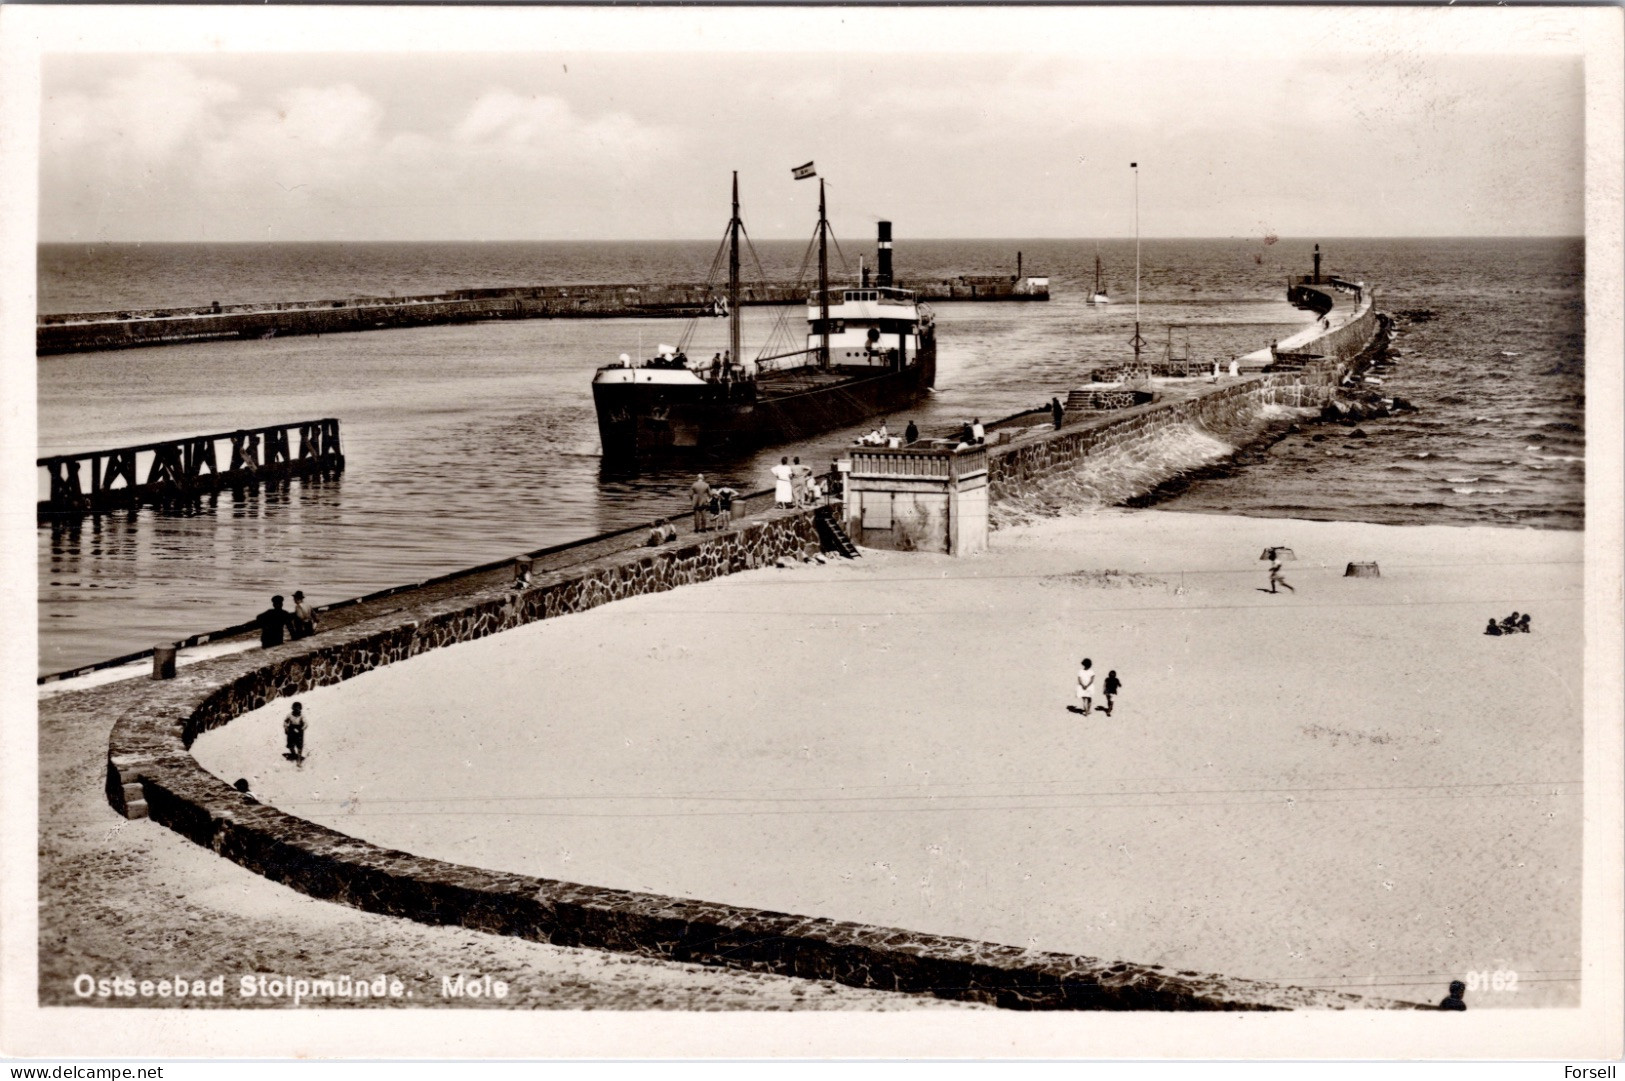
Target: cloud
541,128
311,148
309,136
141,118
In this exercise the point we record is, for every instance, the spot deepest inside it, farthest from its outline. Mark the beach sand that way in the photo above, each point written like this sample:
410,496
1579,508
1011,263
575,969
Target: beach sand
1349,786
131,898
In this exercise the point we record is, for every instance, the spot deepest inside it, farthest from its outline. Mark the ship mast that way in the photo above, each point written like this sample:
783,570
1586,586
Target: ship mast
823,280
733,278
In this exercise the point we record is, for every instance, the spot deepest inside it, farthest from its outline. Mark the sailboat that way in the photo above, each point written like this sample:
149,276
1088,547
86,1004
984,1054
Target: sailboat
1099,295
869,349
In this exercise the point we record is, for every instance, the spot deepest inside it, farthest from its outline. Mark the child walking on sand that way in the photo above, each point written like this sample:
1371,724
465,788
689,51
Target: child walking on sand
1111,687
293,727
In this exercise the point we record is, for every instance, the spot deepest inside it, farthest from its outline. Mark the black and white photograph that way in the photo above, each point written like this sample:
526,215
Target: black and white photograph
932,523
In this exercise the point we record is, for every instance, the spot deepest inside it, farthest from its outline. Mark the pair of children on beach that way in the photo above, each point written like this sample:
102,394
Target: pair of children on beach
1086,689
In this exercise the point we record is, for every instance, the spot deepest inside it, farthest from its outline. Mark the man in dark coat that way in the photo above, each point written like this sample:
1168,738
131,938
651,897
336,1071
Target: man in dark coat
273,623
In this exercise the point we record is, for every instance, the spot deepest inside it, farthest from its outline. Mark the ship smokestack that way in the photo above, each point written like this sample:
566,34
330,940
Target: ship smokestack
883,274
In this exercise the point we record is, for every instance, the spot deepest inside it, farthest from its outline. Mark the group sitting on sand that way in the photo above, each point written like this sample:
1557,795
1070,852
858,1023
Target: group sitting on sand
1513,624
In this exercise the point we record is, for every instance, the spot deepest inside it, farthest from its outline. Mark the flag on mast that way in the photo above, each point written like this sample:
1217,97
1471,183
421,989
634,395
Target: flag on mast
802,172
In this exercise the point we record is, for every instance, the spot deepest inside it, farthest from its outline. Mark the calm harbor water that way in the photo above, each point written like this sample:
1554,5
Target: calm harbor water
470,443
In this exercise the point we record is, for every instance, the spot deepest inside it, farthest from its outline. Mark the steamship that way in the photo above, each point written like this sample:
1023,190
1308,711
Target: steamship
869,349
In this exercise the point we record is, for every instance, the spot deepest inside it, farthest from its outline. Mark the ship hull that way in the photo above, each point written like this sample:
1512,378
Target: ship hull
642,419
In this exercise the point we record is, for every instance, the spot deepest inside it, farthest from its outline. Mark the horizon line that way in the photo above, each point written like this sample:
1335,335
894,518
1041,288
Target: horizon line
935,239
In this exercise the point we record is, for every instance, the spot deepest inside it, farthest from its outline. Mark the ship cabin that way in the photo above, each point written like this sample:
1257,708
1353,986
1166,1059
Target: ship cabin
871,326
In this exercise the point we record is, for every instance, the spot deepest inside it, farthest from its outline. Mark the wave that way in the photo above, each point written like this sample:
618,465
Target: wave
1461,480
1479,491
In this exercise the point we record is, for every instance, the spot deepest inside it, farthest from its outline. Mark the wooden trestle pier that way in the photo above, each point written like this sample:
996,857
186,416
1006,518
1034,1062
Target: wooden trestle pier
183,469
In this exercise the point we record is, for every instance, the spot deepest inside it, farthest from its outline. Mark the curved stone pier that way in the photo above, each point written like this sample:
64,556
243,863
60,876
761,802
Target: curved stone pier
151,772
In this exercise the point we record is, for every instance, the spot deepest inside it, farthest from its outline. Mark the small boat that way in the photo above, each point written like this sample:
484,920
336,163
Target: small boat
1099,295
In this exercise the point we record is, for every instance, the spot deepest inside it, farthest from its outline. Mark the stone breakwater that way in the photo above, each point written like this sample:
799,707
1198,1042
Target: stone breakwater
151,772
75,332
1106,463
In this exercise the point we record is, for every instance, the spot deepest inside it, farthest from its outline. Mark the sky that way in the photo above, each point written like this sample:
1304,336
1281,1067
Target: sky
585,144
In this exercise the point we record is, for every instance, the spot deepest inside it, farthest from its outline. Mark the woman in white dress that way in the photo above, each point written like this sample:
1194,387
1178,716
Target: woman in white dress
783,491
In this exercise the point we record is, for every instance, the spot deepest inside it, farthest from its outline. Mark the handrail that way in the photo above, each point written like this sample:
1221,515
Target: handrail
87,454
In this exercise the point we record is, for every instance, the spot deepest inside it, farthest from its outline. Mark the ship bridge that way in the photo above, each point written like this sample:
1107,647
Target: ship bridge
864,303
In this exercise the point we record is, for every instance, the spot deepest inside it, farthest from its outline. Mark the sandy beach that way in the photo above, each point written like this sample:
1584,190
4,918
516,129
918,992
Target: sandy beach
179,910
1348,786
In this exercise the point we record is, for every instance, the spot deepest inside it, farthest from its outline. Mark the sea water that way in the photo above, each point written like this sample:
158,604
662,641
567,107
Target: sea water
470,443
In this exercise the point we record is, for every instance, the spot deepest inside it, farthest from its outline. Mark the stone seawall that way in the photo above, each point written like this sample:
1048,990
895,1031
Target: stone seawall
1347,340
1118,459
151,772
72,332
1024,470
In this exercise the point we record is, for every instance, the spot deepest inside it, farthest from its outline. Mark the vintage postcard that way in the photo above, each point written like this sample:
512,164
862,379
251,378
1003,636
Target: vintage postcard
821,532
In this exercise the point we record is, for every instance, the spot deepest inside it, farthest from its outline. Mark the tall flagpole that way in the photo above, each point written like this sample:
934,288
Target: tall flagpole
1138,341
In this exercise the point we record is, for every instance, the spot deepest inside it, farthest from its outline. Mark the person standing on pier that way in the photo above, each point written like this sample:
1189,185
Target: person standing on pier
1057,412
302,623
273,623
725,497
702,503
910,434
800,475
784,494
